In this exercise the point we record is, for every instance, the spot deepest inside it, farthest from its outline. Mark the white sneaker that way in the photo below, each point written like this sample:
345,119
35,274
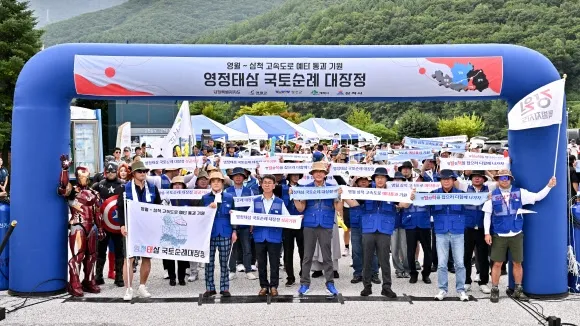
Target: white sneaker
240,268
345,252
187,271
467,287
485,289
254,268
143,293
441,295
251,276
165,274
192,277
463,296
476,278
232,276
128,294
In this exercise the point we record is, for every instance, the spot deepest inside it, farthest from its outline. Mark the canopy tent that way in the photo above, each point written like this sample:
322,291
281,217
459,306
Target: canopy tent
289,128
360,134
217,130
256,128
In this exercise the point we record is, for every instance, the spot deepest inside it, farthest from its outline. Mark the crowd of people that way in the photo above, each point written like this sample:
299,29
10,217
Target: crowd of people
452,238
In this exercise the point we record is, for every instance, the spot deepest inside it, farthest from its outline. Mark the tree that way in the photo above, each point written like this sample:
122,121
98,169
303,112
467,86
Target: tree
217,111
387,135
360,118
262,108
496,121
461,125
18,43
416,124
295,116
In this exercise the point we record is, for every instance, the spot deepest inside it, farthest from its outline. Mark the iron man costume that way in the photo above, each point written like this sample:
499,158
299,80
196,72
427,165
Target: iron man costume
85,214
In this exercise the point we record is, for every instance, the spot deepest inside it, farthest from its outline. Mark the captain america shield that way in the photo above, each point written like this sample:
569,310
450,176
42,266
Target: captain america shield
109,212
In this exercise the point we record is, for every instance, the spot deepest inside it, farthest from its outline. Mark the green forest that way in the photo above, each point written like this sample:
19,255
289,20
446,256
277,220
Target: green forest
154,21
551,27
52,11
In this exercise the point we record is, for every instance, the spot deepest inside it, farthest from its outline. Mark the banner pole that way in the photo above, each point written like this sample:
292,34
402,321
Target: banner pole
128,261
557,145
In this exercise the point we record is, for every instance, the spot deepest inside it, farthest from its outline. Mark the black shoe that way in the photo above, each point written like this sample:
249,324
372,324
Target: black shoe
494,297
182,282
99,280
451,269
433,269
356,279
376,279
225,294
208,294
289,283
120,283
336,274
426,280
172,282
389,293
317,274
503,272
366,291
413,279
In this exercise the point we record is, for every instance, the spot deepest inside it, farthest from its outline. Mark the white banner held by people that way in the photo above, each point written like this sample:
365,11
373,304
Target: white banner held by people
418,186
359,170
240,202
386,194
246,162
167,232
190,162
543,107
284,168
271,220
295,157
183,193
459,164
308,193
449,139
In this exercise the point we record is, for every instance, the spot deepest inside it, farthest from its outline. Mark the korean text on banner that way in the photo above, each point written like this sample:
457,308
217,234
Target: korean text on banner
295,157
166,232
284,168
459,164
543,107
418,186
385,194
430,199
410,154
240,202
183,193
449,139
434,144
190,162
271,220
359,170
308,193
246,163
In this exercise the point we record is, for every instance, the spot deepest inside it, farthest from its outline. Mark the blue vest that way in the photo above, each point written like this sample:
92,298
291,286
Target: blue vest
356,214
448,218
504,219
474,214
253,185
319,212
287,202
270,234
427,178
246,192
165,182
379,216
416,217
142,198
221,223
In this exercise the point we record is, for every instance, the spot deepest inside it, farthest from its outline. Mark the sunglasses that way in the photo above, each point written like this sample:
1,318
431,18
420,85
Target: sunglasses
112,171
117,152
140,171
503,178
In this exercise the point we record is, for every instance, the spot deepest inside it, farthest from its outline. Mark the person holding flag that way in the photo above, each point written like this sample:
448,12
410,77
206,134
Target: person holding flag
504,217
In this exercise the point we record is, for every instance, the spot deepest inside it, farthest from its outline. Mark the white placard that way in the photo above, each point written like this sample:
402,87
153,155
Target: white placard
270,220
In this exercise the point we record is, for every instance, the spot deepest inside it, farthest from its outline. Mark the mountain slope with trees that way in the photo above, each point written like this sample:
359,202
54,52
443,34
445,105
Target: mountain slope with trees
52,11
154,21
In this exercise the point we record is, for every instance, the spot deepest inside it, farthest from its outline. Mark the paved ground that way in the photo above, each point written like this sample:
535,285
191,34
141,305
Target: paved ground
401,312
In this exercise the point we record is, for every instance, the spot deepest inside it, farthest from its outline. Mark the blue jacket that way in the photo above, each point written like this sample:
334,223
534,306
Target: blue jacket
319,212
474,214
165,182
448,218
221,223
270,234
379,216
289,203
416,217
253,185
356,214
246,192
504,219
142,198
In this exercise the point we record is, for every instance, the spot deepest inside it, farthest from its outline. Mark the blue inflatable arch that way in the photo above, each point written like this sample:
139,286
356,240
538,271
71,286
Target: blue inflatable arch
46,86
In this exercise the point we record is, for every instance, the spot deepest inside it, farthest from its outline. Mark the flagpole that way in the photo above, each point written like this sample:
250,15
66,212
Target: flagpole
558,138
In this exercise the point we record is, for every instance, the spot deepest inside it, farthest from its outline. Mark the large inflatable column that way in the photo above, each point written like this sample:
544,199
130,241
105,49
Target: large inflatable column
40,134
533,152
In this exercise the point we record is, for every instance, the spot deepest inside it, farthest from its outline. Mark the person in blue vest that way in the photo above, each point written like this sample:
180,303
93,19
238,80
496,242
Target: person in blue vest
474,233
378,224
318,221
231,151
428,171
243,247
178,182
222,234
291,236
502,218
268,239
449,227
137,189
416,220
356,214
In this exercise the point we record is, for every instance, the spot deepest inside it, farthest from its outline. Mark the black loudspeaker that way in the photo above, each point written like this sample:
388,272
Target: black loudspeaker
205,136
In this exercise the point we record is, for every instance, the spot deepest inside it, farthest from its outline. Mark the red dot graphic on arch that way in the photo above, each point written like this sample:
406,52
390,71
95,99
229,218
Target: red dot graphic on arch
422,70
110,72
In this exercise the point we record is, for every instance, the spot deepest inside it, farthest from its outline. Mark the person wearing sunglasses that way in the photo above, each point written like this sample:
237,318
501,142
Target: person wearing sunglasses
501,215
138,189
